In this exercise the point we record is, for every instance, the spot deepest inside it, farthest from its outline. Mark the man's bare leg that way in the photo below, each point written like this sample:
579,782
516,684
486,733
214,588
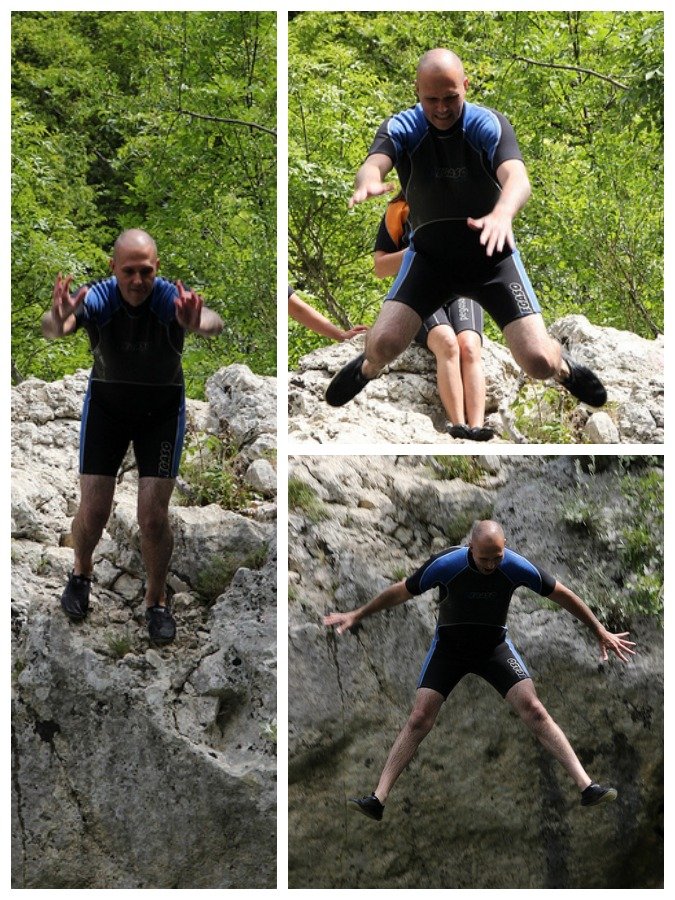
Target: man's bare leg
442,342
154,495
422,717
394,329
96,498
523,699
537,354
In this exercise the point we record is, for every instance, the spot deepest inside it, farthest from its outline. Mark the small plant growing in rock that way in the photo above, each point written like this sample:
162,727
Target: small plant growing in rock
544,418
217,574
446,468
118,645
209,474
303,497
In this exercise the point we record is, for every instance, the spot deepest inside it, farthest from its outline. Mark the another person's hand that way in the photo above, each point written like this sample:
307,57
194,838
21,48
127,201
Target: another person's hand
188,307
342,621
357,329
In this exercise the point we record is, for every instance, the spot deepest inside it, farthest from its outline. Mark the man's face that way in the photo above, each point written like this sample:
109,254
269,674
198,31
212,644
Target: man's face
487,554
441,93
135,268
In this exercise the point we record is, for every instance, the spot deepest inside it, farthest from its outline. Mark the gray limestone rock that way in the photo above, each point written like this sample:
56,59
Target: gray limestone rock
138,767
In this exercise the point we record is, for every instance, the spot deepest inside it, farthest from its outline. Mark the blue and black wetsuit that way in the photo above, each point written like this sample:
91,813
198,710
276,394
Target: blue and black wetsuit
448,176
461,314
136,392
471,634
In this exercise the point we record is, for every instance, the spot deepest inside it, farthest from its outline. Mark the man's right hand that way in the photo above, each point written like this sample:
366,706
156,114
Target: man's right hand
343,621
63,304
372,188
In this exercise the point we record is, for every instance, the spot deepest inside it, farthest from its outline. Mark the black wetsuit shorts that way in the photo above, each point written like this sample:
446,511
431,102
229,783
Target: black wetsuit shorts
446,664
502,289
461,315
151,417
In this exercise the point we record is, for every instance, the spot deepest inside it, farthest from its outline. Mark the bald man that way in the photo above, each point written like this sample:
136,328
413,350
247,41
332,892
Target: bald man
136,322
475,586
464,179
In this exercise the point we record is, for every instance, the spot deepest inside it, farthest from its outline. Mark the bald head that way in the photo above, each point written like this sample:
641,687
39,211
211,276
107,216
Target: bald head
134,240
441,87
487,543
440,61
134,263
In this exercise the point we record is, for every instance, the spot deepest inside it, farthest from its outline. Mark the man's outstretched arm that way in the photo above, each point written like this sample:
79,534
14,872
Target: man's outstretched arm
617,643
497,226
394,595
192,315
370,181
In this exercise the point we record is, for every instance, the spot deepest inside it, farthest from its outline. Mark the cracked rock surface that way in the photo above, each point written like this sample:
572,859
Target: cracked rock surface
136,766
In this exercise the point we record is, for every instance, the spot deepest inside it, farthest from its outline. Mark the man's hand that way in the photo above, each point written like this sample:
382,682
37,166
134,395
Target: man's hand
617,643
373,188
60,319
188,307
496,230
343,621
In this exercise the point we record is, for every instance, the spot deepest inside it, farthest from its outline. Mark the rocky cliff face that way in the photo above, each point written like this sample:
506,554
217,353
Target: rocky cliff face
403,407
481,805
136,767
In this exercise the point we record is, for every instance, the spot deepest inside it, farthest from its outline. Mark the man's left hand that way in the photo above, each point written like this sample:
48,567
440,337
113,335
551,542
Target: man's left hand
496,230
617,643
188,306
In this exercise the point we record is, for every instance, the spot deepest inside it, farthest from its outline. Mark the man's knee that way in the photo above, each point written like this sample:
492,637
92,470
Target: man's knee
385,345
539,362
153,522
533,712
422,719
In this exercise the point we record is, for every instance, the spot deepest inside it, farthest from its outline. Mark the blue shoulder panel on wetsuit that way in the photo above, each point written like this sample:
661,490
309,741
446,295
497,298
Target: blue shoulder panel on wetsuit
521,572
444,568
163,297
482,129
102,301
406,129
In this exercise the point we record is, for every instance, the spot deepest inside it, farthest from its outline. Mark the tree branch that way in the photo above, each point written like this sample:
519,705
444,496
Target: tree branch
535,62
194,115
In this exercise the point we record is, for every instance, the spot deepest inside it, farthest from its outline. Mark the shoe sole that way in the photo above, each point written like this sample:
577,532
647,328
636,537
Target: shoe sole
607,797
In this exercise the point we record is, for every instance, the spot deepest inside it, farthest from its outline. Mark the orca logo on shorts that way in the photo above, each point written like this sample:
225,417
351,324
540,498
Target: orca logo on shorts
165,454
520,297
462,309
517,668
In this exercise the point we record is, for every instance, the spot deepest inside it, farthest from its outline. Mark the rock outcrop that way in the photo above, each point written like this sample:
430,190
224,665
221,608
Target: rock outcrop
482,805
137,767
403,406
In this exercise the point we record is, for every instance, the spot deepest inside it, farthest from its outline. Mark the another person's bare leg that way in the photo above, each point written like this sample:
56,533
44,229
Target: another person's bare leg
442,342
394,329
96,499
523,699
154,495
422,717
473,377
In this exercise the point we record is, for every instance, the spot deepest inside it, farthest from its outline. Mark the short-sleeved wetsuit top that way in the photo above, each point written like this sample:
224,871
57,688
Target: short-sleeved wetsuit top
447,177
471,633
136,391
462,314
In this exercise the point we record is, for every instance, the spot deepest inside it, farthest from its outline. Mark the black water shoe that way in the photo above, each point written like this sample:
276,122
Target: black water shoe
369,806
583,384
348,382
459,431
596,793
161,624
481,433
75,598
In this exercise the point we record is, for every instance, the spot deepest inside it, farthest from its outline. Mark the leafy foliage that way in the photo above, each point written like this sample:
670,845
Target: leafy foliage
584,91
159,120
